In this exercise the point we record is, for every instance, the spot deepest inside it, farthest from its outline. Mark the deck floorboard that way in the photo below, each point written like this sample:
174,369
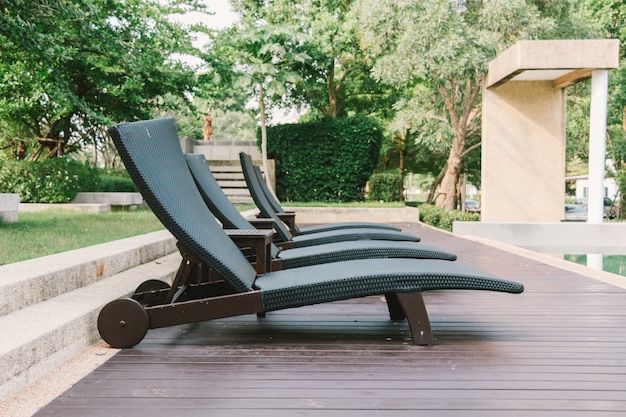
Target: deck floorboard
558,349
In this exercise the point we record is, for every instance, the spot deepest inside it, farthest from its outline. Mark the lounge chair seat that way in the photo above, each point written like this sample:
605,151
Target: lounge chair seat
258,186
352,279
353,231
343,235
231,218
151,153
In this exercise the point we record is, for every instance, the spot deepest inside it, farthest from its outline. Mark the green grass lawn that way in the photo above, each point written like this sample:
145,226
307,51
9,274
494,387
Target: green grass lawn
53,231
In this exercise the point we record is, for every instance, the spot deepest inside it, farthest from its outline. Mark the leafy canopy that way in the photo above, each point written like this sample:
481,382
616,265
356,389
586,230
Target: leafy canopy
69,67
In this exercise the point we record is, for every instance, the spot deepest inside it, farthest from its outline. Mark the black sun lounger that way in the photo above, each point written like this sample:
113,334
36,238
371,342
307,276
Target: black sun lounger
360,231
231,218
267,203
152,155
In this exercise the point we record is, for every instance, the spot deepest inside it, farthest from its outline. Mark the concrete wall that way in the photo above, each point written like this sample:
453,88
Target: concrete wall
225,150
556,238
111,198
523,152
314,215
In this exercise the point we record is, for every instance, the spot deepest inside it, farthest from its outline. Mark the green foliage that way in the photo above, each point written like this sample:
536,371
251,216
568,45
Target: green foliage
385,186
610,16
68,67
435,54
328,161
115,183
49,181
336,79
247,58
438,217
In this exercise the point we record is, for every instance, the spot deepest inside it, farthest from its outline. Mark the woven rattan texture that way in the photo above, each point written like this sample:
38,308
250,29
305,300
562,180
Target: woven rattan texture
366,249
353,279
152,155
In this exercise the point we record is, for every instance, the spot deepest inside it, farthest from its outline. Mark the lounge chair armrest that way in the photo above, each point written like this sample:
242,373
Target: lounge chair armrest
289,218
285,245
262,223
259,240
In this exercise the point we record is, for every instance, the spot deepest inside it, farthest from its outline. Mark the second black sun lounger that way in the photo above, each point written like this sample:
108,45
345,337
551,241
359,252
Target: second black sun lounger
231,218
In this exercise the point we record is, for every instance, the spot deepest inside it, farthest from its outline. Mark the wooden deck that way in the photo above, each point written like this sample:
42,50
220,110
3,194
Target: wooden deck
558,349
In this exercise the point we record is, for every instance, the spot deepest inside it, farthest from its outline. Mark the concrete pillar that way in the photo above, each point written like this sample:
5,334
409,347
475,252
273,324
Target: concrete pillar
597,145
523,152
523,160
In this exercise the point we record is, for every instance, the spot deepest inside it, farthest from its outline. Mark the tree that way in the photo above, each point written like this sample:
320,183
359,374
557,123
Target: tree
70,67
610,17
443,48
335,80
258,58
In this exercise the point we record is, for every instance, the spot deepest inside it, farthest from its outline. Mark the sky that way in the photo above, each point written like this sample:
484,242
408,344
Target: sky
223,17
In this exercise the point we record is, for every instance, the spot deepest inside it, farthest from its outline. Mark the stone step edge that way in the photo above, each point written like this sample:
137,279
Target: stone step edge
30,282
41,337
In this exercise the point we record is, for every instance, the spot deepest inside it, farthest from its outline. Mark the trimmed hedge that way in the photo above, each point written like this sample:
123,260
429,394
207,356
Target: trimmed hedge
327,161
115,183
54,180
385,186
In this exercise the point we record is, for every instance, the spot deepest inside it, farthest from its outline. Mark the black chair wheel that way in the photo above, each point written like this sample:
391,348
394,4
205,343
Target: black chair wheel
123,323
152,285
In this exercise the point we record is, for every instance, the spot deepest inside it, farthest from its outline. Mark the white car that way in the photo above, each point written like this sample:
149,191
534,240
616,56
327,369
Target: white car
472,206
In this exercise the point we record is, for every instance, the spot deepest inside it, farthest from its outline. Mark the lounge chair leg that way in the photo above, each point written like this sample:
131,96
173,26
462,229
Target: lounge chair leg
395,309
415,310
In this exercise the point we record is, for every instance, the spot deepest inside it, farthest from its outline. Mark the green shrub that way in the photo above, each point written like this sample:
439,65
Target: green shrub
438,217
326,161
109,183
54,180
385,186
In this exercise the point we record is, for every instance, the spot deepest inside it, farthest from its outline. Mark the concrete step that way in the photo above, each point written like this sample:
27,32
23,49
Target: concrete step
29,282
41,335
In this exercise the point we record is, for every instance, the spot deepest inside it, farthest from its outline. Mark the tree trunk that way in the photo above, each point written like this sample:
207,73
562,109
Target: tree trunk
332,93
264,136
459,122
433,187
403,152
450,179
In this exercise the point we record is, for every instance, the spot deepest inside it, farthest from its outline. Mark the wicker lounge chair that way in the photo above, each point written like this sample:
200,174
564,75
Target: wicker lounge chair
151,153
289,216
231,218
360,232
269,207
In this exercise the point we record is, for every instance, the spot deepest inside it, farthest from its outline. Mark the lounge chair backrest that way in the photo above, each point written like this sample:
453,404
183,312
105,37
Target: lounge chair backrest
268,194
259,197
154,159
214,196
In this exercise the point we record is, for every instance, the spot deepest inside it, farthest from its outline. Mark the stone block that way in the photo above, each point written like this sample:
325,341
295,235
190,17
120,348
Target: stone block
112,199
9,207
